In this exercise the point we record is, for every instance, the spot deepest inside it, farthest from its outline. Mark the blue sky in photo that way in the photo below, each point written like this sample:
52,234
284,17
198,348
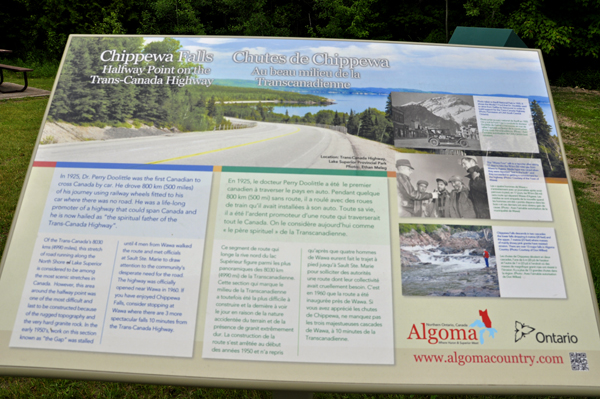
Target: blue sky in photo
413,66
435,68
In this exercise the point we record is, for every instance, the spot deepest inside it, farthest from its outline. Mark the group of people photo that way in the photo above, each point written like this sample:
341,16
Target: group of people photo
438,186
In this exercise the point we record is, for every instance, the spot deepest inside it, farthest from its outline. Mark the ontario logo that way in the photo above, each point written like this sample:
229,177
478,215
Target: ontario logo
522,330
461,334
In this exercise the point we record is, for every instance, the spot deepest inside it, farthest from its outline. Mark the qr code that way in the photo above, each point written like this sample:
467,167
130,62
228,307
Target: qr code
579,361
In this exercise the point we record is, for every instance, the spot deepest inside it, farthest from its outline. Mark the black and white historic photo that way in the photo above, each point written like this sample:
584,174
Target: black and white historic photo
430,120
441,186
448,260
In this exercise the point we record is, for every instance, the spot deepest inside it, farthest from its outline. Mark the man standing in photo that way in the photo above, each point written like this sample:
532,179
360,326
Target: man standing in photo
438,207
486,257
477,187
407,194
422,207
460,204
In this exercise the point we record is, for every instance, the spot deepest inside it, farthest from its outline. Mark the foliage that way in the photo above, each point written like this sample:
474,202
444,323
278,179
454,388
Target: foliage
420,228
38,30
19,125
336,119
485,12
388,107
371,124
461,228
530,21
353,124
346,19
552,161
190,108
173,16
430,228
588,78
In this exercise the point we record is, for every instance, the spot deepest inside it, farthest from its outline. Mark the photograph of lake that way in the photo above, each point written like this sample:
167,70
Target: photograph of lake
343,103
358,102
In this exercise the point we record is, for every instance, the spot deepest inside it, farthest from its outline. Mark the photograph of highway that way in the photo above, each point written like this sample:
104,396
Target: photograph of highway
270,103
264,144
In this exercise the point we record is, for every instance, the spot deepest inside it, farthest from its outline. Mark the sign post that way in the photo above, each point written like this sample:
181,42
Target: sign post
293,214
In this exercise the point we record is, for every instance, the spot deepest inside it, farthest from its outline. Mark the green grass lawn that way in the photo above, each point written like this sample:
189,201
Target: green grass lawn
20,121
579,119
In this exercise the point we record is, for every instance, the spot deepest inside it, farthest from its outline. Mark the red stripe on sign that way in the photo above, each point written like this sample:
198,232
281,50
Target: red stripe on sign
42,164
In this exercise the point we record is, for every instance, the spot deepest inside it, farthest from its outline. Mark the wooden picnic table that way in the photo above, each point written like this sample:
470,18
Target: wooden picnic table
14,69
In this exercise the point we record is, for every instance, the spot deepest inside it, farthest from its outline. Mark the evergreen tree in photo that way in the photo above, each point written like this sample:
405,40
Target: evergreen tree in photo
382,127
308,118
261,111
366,125
542,129
336,119
77,99
378,130
324,117
211,107
163,97
353,123
122,97
549,149
388,107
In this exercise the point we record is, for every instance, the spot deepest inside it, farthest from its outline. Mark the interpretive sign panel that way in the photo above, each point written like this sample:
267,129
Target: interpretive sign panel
300,214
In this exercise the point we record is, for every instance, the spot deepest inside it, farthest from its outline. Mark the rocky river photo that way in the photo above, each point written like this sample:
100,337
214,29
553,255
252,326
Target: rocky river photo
442,260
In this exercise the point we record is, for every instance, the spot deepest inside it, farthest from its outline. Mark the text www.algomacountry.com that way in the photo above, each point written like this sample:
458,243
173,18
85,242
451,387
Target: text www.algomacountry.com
461,360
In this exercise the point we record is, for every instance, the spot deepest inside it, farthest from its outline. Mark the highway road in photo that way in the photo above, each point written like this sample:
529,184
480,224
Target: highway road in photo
265,145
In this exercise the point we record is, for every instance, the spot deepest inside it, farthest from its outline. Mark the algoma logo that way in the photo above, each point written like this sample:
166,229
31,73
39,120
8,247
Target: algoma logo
485,325
454,333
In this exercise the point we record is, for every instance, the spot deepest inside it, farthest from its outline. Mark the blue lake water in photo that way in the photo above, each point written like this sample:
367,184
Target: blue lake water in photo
343,103
359,103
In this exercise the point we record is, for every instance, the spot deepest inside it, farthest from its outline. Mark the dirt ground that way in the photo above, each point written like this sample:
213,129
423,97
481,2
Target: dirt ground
59,132
581,175
584,176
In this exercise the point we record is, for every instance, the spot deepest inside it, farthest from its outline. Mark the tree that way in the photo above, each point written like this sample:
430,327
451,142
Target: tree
324,117
353,19
388,107
485,13
549,150
171,16
336,119
211,107
366,125
542,129
531,21
308,118
158,103
353,124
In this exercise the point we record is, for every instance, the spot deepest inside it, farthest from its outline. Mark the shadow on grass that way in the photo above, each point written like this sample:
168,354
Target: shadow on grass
589,214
